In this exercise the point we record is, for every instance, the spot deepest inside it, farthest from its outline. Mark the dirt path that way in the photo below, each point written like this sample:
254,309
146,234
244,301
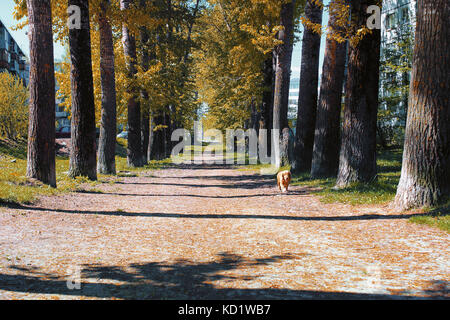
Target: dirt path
215,233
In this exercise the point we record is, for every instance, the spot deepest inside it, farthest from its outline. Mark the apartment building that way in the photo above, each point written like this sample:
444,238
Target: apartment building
12,58
397,38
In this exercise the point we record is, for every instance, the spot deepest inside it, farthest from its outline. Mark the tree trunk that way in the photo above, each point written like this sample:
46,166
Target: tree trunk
357,162
145,116
254,118
134,150
145,109
307,101
83,160
425,177
265,120
168,133
325,158
282,80
158,137
107,141
151,137
41,130
145,133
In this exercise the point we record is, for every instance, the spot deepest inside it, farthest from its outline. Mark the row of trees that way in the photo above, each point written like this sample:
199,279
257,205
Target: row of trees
157,57
127,61
425,178
326,145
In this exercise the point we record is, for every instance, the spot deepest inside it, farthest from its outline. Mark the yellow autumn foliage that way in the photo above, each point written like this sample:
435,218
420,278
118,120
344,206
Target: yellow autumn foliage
13,106
236,37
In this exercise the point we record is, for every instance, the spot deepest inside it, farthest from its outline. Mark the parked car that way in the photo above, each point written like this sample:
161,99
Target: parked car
63,132
123,135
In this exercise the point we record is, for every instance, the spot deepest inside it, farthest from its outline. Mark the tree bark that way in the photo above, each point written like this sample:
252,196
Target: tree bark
157,151
41,130
325,157
107,141
145,109
168,133
425,177
151,137
145,116
134,150
266,118
145,132
83,160
357,162
307,101
282,80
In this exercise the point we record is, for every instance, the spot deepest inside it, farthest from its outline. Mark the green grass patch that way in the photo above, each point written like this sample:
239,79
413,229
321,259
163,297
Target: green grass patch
438,217
16,188
441,222
381,190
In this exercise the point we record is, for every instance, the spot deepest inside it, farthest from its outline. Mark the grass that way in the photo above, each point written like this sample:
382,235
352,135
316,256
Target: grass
380,191
122,168
15,188
437,217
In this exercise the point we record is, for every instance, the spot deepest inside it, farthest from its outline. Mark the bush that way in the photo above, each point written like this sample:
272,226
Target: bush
13,107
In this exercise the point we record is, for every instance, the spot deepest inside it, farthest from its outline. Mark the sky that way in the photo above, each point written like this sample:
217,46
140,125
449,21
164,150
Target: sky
6,15
297,53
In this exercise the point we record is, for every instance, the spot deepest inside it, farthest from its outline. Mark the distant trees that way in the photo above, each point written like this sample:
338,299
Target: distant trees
83,160
41,129
425,177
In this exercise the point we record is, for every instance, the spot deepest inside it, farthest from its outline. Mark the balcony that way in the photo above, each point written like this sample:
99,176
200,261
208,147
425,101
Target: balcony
14,67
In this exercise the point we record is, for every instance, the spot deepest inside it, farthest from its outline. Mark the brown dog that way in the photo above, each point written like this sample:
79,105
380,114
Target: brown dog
283,180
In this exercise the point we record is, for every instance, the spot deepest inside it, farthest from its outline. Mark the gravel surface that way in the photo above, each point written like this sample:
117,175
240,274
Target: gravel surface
212,232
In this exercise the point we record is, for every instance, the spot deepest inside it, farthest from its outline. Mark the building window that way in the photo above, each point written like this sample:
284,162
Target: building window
390,21
405,14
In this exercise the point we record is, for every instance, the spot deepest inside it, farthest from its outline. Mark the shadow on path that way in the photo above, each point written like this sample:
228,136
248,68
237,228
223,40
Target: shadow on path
222,216
180,280
275,194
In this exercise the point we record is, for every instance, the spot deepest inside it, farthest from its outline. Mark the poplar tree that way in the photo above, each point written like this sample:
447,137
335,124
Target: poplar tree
41,130
425,177
83,160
